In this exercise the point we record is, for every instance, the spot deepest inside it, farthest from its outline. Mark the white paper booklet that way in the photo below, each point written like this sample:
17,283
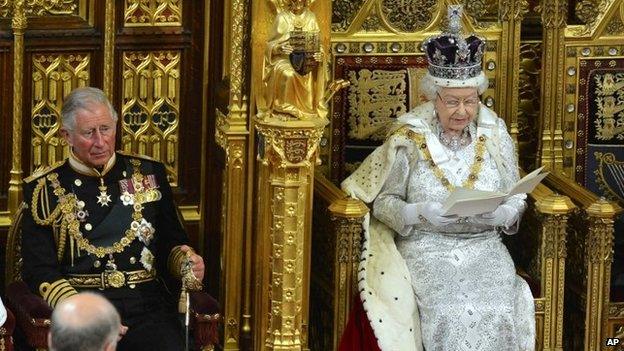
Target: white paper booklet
468,202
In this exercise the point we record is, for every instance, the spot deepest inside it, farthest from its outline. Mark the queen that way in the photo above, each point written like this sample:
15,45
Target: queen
427,280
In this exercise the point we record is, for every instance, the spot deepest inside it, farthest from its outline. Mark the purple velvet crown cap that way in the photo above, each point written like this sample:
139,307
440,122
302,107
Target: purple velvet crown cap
447,50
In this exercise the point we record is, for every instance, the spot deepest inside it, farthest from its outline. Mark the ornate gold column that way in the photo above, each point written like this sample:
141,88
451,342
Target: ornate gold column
511,13
232,135
232,138
18,24
289,80
109,48
555,210
554,14
599,243
285,192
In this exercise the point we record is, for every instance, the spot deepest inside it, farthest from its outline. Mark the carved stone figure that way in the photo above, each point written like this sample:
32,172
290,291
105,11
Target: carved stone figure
294,67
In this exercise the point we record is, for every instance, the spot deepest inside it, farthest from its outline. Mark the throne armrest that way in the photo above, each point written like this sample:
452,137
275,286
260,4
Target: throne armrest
205,319
337,235
32,313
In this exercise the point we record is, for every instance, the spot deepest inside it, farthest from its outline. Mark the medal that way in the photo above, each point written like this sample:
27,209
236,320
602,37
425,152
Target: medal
103,199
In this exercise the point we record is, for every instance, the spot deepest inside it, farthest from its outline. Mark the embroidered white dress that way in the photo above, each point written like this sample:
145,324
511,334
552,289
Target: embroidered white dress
463,278
458,280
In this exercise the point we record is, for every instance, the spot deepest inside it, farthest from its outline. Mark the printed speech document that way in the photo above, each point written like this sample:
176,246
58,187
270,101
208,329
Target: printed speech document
469,202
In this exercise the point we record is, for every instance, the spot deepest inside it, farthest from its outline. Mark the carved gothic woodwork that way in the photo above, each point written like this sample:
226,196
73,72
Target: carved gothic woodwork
529,104
53,77
139,13
151,106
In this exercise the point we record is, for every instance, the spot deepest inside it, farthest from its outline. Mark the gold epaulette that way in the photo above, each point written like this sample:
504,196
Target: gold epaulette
135,155
42,170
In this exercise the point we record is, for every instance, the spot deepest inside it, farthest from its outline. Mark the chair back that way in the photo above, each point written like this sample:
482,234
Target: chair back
13,254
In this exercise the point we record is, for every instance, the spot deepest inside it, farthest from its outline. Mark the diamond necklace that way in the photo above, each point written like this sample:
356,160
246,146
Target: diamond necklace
455,142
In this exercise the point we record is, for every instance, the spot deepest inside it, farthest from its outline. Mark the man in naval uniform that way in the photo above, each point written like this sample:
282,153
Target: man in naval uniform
106,221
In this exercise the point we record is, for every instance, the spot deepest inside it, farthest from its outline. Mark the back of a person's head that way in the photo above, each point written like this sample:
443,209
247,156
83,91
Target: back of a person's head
84,322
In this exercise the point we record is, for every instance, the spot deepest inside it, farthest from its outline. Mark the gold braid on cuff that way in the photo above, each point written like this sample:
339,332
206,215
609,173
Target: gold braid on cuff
56,292
175,261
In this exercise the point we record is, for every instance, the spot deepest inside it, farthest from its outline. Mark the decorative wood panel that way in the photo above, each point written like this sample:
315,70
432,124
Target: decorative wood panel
151,106
154,81
54,7
5,8
54,76
50,17
141,13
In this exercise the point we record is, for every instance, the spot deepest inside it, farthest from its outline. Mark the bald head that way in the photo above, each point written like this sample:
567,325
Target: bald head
86,322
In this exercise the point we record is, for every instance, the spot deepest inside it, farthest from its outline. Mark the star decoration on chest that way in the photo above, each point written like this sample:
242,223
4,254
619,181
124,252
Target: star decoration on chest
104,199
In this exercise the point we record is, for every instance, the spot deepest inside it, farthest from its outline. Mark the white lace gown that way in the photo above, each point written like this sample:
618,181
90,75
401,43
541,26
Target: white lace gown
463,277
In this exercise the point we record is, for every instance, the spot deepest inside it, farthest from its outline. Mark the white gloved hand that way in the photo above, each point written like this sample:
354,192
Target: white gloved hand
431,211
503,216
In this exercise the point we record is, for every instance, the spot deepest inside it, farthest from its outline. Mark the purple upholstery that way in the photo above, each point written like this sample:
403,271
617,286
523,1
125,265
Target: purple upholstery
20,295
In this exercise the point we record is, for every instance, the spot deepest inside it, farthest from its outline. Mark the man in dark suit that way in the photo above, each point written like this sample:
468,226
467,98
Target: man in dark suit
106,221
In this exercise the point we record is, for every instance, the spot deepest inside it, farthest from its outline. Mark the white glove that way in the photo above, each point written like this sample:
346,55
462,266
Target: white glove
429,210
503,216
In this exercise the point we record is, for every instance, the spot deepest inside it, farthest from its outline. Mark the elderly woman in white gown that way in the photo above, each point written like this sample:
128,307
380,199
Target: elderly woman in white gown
434,281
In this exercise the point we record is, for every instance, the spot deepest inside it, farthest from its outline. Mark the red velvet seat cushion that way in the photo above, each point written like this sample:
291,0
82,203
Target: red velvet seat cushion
21,299
203,303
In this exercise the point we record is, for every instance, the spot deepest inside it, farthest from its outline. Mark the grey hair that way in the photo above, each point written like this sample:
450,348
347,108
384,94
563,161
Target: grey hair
90,335
82,99
430,89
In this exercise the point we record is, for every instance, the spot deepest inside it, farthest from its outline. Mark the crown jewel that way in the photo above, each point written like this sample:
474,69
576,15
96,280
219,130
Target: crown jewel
450,55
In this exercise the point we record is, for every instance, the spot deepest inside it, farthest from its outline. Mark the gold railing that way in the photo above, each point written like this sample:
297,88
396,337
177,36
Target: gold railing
539,250
589,315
